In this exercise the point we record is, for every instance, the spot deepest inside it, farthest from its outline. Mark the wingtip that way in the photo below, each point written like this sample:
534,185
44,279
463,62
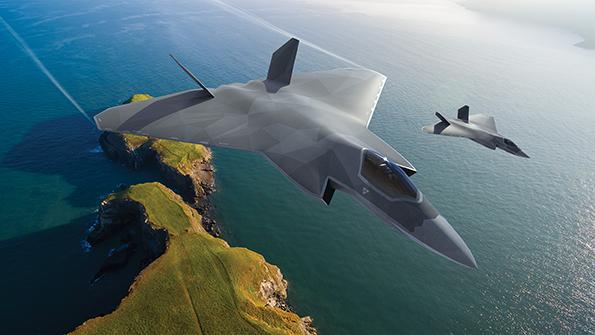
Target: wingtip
97,121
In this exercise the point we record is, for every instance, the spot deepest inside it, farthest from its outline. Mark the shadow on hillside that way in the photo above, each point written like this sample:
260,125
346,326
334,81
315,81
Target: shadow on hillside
46,275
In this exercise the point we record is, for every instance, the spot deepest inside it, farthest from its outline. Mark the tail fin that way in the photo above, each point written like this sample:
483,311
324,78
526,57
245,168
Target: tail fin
281,66
442,118
192,76
463,114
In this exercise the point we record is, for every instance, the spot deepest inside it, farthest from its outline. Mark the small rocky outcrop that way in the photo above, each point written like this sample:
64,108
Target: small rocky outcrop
308,324
116,147
274,292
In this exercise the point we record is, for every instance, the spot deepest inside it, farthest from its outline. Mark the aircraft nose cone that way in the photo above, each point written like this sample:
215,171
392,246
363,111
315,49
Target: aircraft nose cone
522,154
438,235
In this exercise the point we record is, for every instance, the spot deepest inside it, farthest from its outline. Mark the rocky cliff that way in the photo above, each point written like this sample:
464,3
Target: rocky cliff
186,167
194,283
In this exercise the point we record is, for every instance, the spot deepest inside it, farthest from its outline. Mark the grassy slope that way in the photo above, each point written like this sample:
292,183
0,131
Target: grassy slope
178,155
199,286
138,97
164,208
135,141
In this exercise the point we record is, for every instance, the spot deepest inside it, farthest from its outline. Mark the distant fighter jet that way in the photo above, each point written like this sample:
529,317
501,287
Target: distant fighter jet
477,127
313,127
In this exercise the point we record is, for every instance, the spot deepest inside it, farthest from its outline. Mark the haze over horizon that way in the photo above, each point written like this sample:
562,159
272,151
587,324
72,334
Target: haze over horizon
575,16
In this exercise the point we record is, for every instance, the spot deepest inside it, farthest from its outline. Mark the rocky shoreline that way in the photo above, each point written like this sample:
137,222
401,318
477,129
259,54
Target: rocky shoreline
187,170
194,182
155,223
127,220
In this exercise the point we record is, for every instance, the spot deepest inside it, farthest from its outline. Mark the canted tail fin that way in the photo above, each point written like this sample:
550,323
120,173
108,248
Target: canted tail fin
192,76
463,114
281,66
442,118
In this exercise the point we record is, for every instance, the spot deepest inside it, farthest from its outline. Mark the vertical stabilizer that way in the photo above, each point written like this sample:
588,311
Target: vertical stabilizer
463,114
281,66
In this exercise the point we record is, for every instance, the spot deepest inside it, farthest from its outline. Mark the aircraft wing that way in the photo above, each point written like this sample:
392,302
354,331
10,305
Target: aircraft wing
484,121
190,116
307,157
353,91
244,116
446,129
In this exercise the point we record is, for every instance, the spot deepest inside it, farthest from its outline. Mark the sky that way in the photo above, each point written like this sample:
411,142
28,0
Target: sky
575,16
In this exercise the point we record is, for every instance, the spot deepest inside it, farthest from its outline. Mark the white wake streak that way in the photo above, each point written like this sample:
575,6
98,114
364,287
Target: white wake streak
263,23
43,69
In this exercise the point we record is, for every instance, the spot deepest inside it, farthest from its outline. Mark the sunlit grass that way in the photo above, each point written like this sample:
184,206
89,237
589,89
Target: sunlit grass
198,286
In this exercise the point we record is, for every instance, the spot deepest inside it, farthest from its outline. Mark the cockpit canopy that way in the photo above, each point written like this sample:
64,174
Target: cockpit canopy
511,145
386,176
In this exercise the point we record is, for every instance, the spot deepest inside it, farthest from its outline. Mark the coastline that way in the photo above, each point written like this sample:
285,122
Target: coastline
191,282
138,216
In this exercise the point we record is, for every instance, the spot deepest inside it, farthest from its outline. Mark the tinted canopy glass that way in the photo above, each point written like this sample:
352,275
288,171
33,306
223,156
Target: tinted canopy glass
511,144
386,176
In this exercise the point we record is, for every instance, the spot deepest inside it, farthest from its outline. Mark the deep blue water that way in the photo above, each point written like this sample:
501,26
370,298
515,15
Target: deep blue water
530,223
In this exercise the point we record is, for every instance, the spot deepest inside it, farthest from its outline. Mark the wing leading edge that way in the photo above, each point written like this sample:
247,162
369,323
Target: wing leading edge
353,92
290,126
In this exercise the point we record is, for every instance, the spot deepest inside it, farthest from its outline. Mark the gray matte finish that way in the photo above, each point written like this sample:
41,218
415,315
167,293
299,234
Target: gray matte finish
281,66
476,127
313,128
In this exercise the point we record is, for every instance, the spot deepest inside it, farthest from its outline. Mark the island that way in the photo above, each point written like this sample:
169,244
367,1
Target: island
190,281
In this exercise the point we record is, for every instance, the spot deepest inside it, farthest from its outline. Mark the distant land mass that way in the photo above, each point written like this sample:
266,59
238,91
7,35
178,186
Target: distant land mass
191,281
576,16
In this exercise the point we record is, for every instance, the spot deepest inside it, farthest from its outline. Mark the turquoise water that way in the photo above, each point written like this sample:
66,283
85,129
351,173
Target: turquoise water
530,223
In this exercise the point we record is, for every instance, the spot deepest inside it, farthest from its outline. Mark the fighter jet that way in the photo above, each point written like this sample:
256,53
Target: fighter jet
476,127
313,127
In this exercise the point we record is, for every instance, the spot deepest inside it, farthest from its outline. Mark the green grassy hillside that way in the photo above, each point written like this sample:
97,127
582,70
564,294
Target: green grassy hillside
200,285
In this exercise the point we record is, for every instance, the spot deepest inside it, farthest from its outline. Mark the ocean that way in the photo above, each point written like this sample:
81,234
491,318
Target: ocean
529,222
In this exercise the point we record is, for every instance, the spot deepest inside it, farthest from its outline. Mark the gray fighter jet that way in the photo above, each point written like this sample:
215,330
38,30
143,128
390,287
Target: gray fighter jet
476,127
313,127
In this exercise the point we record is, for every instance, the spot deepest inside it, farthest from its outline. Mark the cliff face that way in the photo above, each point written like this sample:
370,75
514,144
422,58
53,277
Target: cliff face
186,167
195,283
118,147
127,220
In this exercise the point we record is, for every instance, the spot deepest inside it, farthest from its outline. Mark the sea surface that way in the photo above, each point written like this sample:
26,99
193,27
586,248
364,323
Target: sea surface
529,222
